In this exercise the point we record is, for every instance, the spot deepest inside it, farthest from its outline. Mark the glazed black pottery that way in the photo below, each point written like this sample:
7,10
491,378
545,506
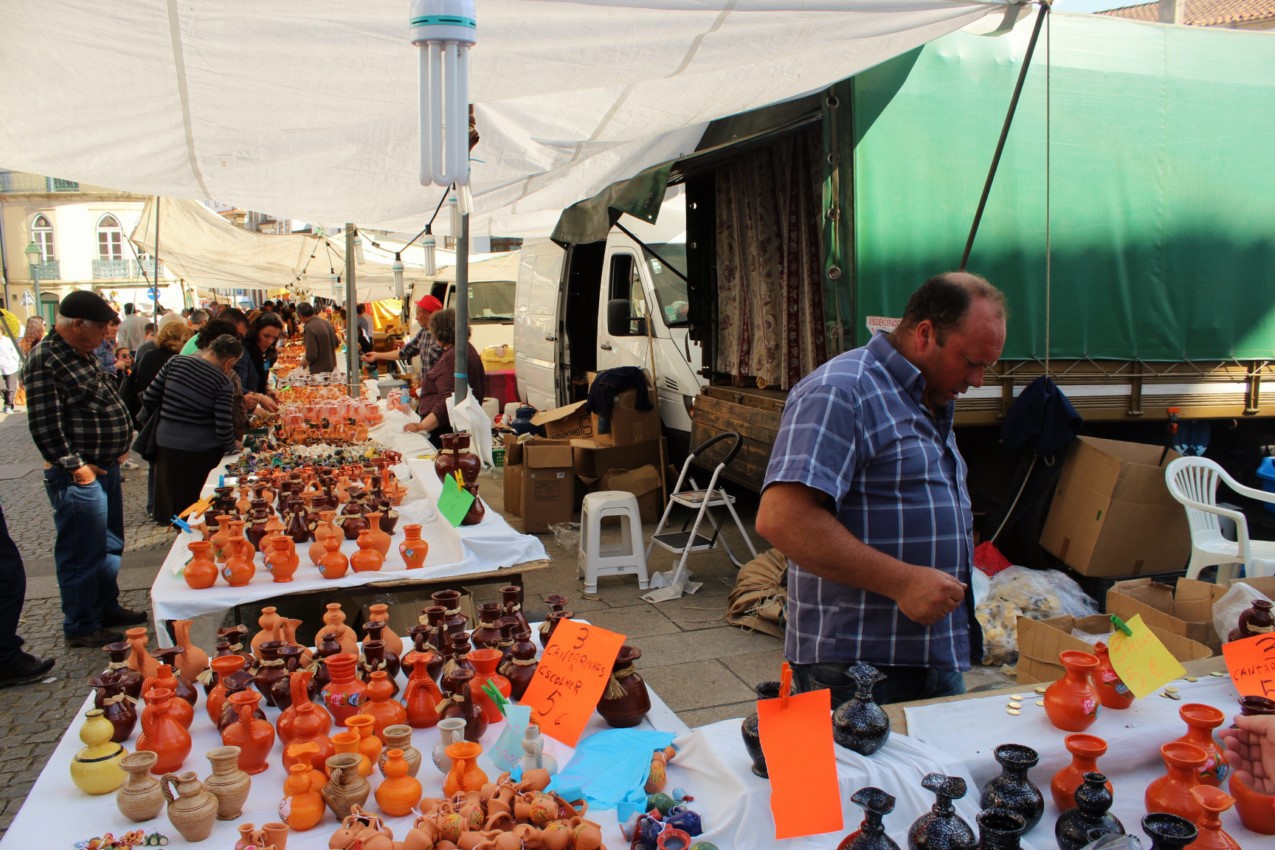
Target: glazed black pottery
1076,826
752,742
871,835
1000,829
942,828
860,724
1168,832
1012,789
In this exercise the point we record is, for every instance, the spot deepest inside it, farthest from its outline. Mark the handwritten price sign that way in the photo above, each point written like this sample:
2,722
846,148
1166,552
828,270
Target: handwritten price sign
1141,659
1252,665
571,678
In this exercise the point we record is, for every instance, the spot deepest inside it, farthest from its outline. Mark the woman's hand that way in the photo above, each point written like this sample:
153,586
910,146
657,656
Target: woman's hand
1250,748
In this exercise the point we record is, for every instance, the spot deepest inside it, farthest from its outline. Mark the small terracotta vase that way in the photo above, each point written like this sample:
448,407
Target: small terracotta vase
1200,721
625,701
238,570
1085,751
414,549
346,787
223,666
334,622
302,806
1256,810
422,696
1172,792
162,734
368,559
343,695
369,745
1213,802
140,797
1071,703
380,540
465,774
334,564
182,687
180,709
193,660
485,662
399,737
325,529
451,730
347,743
398,793
228,783
192,810
253,736
220,539
140,660
380,613
1112,692
1013,790
381,705
96,769
303,719
200,571
282,560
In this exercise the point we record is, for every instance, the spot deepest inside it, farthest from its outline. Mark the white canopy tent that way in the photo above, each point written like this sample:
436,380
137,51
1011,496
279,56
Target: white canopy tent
314,115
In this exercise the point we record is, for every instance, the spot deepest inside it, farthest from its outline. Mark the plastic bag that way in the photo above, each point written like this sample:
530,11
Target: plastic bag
566,535
1113,841
470,416
1019,591
1227,610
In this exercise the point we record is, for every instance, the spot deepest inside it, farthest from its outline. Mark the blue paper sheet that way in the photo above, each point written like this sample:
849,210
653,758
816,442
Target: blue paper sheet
613,765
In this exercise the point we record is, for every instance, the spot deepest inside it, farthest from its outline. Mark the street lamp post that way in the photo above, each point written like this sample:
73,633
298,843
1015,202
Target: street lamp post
33,258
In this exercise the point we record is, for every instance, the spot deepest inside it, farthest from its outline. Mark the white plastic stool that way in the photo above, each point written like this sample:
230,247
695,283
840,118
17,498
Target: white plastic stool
613,559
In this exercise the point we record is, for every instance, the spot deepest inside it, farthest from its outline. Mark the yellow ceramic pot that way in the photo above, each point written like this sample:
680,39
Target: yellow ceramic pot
96,768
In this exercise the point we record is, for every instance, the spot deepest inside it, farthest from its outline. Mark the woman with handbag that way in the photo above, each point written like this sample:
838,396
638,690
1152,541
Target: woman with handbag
193,399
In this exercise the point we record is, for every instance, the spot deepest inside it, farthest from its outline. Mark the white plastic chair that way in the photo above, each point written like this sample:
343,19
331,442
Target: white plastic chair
1193,482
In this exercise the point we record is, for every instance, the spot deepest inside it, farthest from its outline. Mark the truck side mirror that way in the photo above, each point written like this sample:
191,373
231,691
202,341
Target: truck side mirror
618,320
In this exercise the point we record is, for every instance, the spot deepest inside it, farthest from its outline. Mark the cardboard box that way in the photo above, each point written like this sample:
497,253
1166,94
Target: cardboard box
628,424
1185,610
548,484
513,475
643,482
1040,641
592,459
1264,585
569,422
1112,514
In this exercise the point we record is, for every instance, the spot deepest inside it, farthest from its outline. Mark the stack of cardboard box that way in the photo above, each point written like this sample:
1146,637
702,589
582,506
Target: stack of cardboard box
546,478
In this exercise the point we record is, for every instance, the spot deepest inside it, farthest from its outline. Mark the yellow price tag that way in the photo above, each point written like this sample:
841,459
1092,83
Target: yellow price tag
1141,660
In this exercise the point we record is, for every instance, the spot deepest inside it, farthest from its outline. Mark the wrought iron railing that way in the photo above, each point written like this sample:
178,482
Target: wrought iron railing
48,270
19,182
125,269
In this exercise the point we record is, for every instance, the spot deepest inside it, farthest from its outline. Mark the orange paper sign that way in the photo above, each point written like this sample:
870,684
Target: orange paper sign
1141,660
797,740
1252,665
571,678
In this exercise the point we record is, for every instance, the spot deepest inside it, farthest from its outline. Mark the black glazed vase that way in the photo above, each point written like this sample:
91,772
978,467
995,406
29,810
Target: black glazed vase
1012,789
751,733
1000,829
871,835
1076,827
860,724
1168,832
942,828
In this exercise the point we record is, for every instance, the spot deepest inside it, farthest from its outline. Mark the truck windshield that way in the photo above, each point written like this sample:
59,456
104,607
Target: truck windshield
670,285
491,301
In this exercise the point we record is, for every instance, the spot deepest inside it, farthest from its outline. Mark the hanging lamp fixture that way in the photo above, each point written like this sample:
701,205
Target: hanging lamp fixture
444,30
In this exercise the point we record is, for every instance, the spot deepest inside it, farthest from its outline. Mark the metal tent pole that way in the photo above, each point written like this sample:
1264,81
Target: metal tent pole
462,312
351,315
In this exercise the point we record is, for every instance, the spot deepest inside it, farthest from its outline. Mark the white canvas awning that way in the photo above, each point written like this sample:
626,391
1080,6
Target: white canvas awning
311,112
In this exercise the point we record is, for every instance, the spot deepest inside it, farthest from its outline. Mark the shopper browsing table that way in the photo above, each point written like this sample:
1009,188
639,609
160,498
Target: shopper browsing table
423,343
866,496
440,382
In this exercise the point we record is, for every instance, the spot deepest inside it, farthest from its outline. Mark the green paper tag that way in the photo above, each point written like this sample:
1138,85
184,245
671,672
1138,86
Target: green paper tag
455,501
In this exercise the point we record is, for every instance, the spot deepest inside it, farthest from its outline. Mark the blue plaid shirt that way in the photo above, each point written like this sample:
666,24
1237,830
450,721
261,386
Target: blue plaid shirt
856,428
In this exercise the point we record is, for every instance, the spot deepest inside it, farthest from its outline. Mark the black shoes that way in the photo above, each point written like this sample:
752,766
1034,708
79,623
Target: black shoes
28,669
94,640
125,617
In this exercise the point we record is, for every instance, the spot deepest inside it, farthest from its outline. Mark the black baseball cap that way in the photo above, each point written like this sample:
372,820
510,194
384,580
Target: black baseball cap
83,304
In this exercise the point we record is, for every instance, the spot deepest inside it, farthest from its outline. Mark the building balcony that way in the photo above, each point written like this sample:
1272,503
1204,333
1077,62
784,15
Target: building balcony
19,182
49,270
125,269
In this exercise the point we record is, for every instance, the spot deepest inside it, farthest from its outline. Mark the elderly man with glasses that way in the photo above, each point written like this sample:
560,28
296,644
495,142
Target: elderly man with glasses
83,430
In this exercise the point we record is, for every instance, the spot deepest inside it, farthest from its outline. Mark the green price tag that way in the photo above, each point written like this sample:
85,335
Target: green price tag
455,501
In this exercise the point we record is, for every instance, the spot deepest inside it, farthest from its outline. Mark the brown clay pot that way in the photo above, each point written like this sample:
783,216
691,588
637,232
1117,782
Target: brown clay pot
625,701
1085,751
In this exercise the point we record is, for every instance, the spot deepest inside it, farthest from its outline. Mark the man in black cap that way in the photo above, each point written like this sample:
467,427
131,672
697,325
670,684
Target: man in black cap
83,430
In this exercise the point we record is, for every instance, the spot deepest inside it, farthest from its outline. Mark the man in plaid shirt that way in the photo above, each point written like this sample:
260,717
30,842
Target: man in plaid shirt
83,430
866,496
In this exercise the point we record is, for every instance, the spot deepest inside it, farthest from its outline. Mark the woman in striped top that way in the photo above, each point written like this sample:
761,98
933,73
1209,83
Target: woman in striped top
193,398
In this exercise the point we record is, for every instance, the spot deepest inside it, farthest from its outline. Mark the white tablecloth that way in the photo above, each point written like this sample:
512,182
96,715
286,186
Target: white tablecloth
1133,737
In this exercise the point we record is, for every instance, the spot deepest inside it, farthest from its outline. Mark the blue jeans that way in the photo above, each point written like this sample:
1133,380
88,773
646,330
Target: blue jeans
901,684
90,541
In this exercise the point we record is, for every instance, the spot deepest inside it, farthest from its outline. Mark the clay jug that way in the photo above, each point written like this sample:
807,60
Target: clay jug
228,783
487,635
465,774
237,683
200,571
422,696
380,540
456,456
451,730
1085,751
398,793
239,543
380,656
1071,703
162,734
347,787
193,661
1257,619
325,646
458,703
399,737
325,529
1213,802
1200,721
297,528
118,657
1012,790
368,559
353,522
551,623
414,549
380,613
302,807
1172,792
485,662
534,756
140,660
117,706
477,510
181,686
333,564
1112,692
192,810
860,724
221,539
311,737
511,598
625,701
224,666
369,745
302,719
343,695
140,797
180,708
96,769
1089,814
253,736
282,560
347,743
876,804
381,705
270,672
1169,831
238,570
520,669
